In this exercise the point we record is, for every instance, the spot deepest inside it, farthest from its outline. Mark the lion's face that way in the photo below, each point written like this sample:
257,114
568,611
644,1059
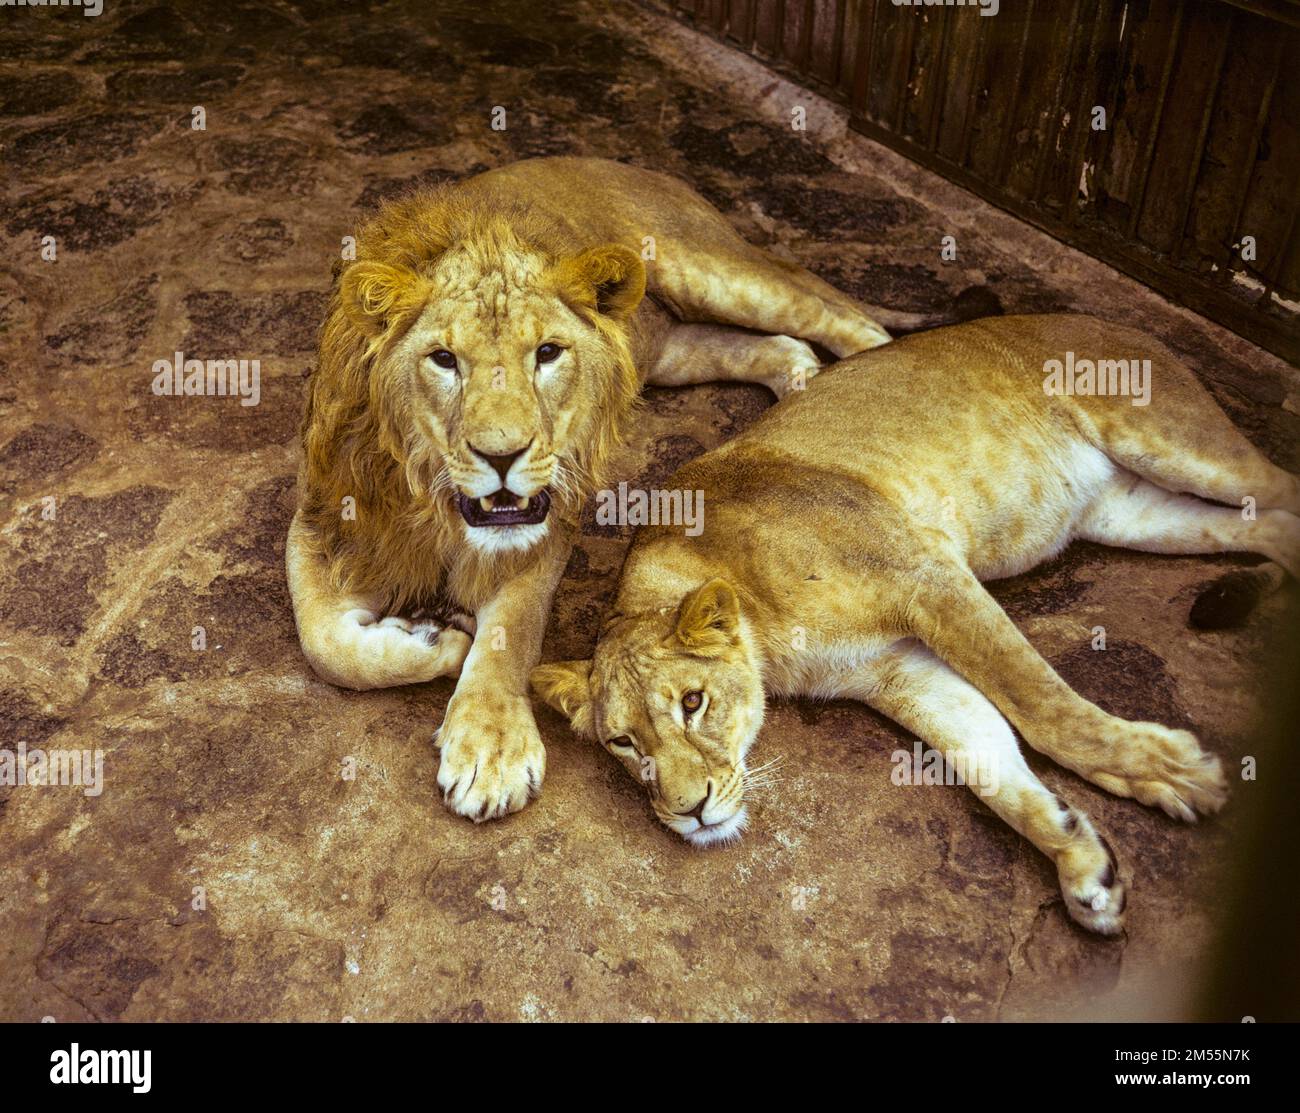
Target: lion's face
677,698
495,369
500,366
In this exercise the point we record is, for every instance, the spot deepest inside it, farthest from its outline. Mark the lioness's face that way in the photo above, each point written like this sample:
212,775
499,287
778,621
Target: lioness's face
504,373
676,698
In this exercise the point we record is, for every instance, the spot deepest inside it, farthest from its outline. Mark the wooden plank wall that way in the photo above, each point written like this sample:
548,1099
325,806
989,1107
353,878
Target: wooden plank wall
1201,145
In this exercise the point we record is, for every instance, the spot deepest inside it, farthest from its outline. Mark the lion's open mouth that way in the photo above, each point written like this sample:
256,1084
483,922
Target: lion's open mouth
504,509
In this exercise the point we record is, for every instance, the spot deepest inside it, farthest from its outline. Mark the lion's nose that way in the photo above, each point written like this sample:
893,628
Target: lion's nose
500,461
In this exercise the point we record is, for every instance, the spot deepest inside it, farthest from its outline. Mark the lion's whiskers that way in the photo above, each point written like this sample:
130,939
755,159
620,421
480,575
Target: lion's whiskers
442,480
565,481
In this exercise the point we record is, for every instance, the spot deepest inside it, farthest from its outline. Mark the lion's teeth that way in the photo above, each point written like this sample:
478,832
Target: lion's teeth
486,504
521,503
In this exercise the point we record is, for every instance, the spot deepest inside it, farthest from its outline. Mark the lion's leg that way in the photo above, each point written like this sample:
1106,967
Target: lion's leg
717,353
744,286
1135,514
923,694
964,625
492,760
347,642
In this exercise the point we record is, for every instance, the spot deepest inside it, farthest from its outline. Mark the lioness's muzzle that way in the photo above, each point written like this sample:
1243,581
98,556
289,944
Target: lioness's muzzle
502,509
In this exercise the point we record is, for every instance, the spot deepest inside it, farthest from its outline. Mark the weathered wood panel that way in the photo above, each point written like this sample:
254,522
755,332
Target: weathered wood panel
1200,148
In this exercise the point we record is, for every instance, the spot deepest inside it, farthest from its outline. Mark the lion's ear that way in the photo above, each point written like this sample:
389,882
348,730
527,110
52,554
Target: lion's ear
609,279
566,687
371,292
708,621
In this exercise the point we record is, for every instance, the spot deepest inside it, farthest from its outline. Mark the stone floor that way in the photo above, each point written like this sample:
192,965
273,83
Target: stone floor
325,898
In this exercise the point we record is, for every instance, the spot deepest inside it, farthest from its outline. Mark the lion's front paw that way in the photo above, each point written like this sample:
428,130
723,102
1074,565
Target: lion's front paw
1166,769
357,649
788,365
492,758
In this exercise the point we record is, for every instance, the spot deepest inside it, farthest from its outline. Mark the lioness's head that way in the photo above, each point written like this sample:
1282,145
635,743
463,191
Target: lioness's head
676,696
488,358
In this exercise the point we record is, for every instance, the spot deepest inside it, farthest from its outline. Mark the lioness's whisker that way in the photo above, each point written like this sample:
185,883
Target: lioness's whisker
762,778
766,767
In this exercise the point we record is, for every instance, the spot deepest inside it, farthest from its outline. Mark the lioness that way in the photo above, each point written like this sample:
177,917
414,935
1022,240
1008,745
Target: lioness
846,534
480,359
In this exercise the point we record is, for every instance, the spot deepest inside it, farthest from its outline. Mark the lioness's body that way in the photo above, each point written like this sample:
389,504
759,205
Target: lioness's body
845,536
400,450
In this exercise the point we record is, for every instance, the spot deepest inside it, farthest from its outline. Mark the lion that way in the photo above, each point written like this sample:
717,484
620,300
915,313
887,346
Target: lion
480,362
845,537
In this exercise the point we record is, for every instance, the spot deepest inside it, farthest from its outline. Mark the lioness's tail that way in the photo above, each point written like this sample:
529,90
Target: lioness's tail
1228,601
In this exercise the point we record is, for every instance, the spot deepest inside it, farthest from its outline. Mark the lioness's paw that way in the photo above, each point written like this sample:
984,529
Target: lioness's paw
492,759
1166,769
1095,894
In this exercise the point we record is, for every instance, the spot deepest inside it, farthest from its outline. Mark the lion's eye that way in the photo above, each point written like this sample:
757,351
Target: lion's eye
692,701
622,742
548,353
443,359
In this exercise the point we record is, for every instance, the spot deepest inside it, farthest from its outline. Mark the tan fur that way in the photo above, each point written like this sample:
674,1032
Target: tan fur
548,252
845,537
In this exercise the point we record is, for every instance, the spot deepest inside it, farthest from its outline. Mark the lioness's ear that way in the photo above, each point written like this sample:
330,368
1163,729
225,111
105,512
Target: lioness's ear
566,686
609,279
371,292
708,620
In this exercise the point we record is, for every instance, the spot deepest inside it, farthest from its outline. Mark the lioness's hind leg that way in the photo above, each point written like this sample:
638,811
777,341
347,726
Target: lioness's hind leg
714,353
1155,764
1231,471
927,697
1134,513
1181,440
346,640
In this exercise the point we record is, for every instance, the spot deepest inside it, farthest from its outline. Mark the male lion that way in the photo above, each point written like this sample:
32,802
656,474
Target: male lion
480,359
846,534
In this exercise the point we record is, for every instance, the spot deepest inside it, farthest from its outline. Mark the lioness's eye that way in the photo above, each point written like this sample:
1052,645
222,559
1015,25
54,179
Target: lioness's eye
443,359
692,701
622,742
548,353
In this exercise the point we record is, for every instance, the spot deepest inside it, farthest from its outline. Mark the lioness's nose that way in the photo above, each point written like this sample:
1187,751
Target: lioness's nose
500,461
697,812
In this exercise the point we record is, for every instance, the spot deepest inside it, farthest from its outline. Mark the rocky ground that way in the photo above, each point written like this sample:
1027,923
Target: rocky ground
323,898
